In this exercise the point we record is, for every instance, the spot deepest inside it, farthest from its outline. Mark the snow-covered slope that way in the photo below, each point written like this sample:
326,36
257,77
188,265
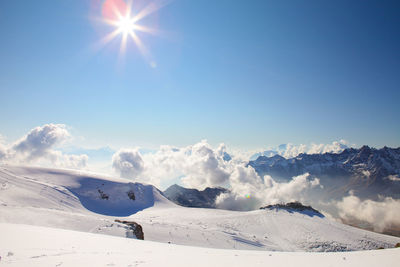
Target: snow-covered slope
19,246
90,203
255,230
71,199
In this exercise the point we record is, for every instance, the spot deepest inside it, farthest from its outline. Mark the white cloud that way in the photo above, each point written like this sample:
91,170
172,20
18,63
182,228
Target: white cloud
37,147
335,147
128,162
68,160
40,141
195,166
198,165
250,192
382,215
290,150
204,166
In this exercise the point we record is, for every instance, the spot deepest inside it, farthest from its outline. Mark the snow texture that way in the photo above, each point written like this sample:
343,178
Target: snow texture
39,246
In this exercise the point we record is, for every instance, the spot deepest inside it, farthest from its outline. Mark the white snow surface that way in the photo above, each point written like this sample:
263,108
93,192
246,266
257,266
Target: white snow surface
72,200
26,245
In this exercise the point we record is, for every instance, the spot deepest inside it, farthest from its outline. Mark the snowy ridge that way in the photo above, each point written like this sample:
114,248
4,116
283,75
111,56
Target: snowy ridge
71,199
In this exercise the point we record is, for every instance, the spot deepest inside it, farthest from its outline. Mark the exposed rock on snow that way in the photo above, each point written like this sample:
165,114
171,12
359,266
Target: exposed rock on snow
103,195
131,194
136,228
295,207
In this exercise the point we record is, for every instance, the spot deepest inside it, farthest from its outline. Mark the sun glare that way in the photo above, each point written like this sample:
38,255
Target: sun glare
126,21
126,25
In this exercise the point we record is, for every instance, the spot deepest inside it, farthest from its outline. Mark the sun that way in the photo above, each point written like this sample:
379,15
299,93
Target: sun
126,23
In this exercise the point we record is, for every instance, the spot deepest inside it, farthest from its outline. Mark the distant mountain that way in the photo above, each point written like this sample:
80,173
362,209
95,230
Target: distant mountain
289,150
193,197
266,153
280,150
226,157
365,170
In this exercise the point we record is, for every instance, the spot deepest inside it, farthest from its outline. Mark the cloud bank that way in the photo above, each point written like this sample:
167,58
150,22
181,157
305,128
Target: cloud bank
381,215
290,150
200,165
249,191
37,147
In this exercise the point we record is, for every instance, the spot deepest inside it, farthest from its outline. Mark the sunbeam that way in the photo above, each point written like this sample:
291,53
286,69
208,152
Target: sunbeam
125,20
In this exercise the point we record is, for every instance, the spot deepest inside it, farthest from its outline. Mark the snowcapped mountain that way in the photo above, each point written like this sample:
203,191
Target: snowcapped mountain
193,197
271,152
365,171
96,204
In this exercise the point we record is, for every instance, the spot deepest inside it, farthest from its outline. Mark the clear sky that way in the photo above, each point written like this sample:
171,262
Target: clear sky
247,73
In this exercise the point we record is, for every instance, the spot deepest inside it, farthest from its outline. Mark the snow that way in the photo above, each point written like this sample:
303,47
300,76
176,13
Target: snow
49,217
71,200
27,245
255,230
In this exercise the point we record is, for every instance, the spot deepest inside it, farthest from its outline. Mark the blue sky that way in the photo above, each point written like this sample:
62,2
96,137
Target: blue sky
247,73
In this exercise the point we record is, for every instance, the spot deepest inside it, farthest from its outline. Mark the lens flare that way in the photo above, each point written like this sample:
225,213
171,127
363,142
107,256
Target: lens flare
126,23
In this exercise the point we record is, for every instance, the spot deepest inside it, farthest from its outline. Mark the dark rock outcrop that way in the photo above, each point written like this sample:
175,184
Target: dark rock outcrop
131,194
103,195
135,227
295,207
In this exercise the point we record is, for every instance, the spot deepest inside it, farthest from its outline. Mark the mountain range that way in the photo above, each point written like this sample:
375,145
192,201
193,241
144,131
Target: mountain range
367,172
